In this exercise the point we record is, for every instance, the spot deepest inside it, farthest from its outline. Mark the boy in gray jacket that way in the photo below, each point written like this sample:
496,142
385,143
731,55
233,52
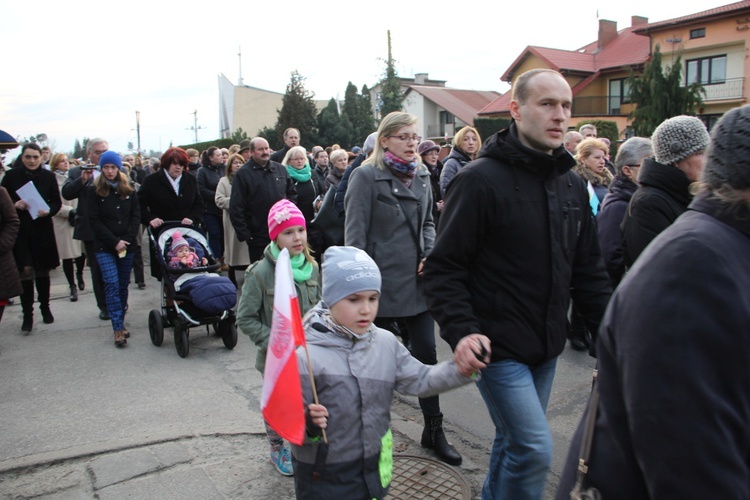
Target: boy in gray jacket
356,367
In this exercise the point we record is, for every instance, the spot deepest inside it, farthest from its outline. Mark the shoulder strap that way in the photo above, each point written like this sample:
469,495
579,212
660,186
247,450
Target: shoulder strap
586,441
415,233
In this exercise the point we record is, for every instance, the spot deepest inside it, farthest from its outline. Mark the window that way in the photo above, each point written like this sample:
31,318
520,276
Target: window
447,123
698,33
619,94
709,70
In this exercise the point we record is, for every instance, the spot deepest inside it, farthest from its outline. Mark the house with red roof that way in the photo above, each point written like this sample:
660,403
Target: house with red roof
713,45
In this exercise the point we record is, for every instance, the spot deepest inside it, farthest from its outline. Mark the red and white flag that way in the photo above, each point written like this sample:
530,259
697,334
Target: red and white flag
281,401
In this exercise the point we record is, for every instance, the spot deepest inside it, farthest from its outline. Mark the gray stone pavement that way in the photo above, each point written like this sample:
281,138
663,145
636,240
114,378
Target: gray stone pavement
80,418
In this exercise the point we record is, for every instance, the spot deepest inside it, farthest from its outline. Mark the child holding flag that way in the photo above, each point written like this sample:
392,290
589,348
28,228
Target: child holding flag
286,228
356,367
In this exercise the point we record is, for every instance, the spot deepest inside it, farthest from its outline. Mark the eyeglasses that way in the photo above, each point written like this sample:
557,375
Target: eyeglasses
407,137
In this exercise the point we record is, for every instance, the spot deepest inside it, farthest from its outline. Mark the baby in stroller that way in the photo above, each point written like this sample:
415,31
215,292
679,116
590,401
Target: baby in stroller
188,273
181,255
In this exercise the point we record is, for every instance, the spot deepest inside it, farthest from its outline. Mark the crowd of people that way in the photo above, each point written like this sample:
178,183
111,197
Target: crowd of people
536,229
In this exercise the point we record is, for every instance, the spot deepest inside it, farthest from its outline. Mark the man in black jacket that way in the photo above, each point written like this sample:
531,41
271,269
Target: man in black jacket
259,184
75,188
291,139
517,238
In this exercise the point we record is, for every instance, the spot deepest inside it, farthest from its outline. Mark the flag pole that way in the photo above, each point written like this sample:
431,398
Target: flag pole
314,390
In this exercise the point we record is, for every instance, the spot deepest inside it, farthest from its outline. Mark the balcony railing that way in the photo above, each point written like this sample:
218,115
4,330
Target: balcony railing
605,105
731,88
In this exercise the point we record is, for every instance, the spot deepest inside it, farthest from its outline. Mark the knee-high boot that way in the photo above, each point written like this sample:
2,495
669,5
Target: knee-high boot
27,304
42,290
433,437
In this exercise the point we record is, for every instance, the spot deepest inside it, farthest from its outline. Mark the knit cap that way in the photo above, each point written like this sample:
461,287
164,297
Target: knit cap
679,137
283,214
728,155
178,241
110,158
348,270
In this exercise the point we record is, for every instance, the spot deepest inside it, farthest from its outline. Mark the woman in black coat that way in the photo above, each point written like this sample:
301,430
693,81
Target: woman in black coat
169,195
114,219
35,250
10,285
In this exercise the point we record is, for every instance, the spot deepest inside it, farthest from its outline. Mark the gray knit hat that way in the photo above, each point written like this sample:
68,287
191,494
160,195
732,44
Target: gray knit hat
679,137
347,270
728,155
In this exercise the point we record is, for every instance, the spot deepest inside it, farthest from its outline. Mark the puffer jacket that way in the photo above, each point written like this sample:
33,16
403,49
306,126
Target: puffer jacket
517,239
208,178
355,380
452,163
255,310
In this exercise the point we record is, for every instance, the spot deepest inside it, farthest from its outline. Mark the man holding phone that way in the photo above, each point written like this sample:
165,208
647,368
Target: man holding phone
75,187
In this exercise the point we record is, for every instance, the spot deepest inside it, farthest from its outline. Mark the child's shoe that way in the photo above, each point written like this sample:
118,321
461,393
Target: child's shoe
282,460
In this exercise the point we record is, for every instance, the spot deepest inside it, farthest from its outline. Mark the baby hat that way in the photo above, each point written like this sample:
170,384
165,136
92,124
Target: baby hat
110,158
679,137
348,270
283,214
728,155
178,241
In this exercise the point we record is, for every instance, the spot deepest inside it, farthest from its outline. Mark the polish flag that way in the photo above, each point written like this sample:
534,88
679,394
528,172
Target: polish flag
281,401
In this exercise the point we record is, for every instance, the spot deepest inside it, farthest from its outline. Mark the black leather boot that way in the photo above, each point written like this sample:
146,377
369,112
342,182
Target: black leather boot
27,304
73,293
433,438
42,290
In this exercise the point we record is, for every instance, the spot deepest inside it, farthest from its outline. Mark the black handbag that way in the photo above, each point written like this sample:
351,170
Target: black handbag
327,220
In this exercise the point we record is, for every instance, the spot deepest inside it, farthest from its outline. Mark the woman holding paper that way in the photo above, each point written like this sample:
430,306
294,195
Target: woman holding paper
35,249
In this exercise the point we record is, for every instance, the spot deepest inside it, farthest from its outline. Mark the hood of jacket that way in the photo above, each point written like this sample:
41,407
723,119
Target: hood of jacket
621,189
457,154
669,179
506,147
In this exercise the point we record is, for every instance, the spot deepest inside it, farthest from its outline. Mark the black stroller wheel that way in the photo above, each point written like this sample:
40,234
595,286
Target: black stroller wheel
181,339
155,327
228,333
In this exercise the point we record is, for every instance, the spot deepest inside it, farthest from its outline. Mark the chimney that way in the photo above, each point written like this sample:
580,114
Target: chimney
607,32
420,78
638,21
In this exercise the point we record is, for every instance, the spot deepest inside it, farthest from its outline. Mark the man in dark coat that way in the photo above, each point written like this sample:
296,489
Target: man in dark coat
673,418
627,164
517,239
665,181
291,139
79,178
259,184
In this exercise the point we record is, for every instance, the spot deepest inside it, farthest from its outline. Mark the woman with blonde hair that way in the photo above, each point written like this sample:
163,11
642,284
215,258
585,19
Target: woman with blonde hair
236,255
114,220
590,155
388,205
68,249
466,145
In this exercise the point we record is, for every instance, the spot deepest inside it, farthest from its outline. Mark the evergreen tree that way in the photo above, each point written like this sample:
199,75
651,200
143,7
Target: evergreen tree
367,119
358,110
391,97
298,111
334,128
659,95
239,135
78,150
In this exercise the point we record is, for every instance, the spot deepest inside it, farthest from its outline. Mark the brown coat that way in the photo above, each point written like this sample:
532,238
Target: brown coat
10,284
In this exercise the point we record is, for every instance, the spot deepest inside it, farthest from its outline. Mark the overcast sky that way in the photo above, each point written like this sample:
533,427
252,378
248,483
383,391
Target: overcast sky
77,68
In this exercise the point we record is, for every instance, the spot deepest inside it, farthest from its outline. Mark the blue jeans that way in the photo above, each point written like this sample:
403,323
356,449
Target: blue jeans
516,396
116,277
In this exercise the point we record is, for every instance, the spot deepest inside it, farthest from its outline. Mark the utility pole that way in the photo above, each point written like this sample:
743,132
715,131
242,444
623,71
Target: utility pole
239,80
195,127
138,129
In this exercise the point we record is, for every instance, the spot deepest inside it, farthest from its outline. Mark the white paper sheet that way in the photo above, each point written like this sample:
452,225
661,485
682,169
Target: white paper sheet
29,194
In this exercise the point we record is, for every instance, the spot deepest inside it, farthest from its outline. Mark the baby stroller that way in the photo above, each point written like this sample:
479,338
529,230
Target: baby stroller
191,296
